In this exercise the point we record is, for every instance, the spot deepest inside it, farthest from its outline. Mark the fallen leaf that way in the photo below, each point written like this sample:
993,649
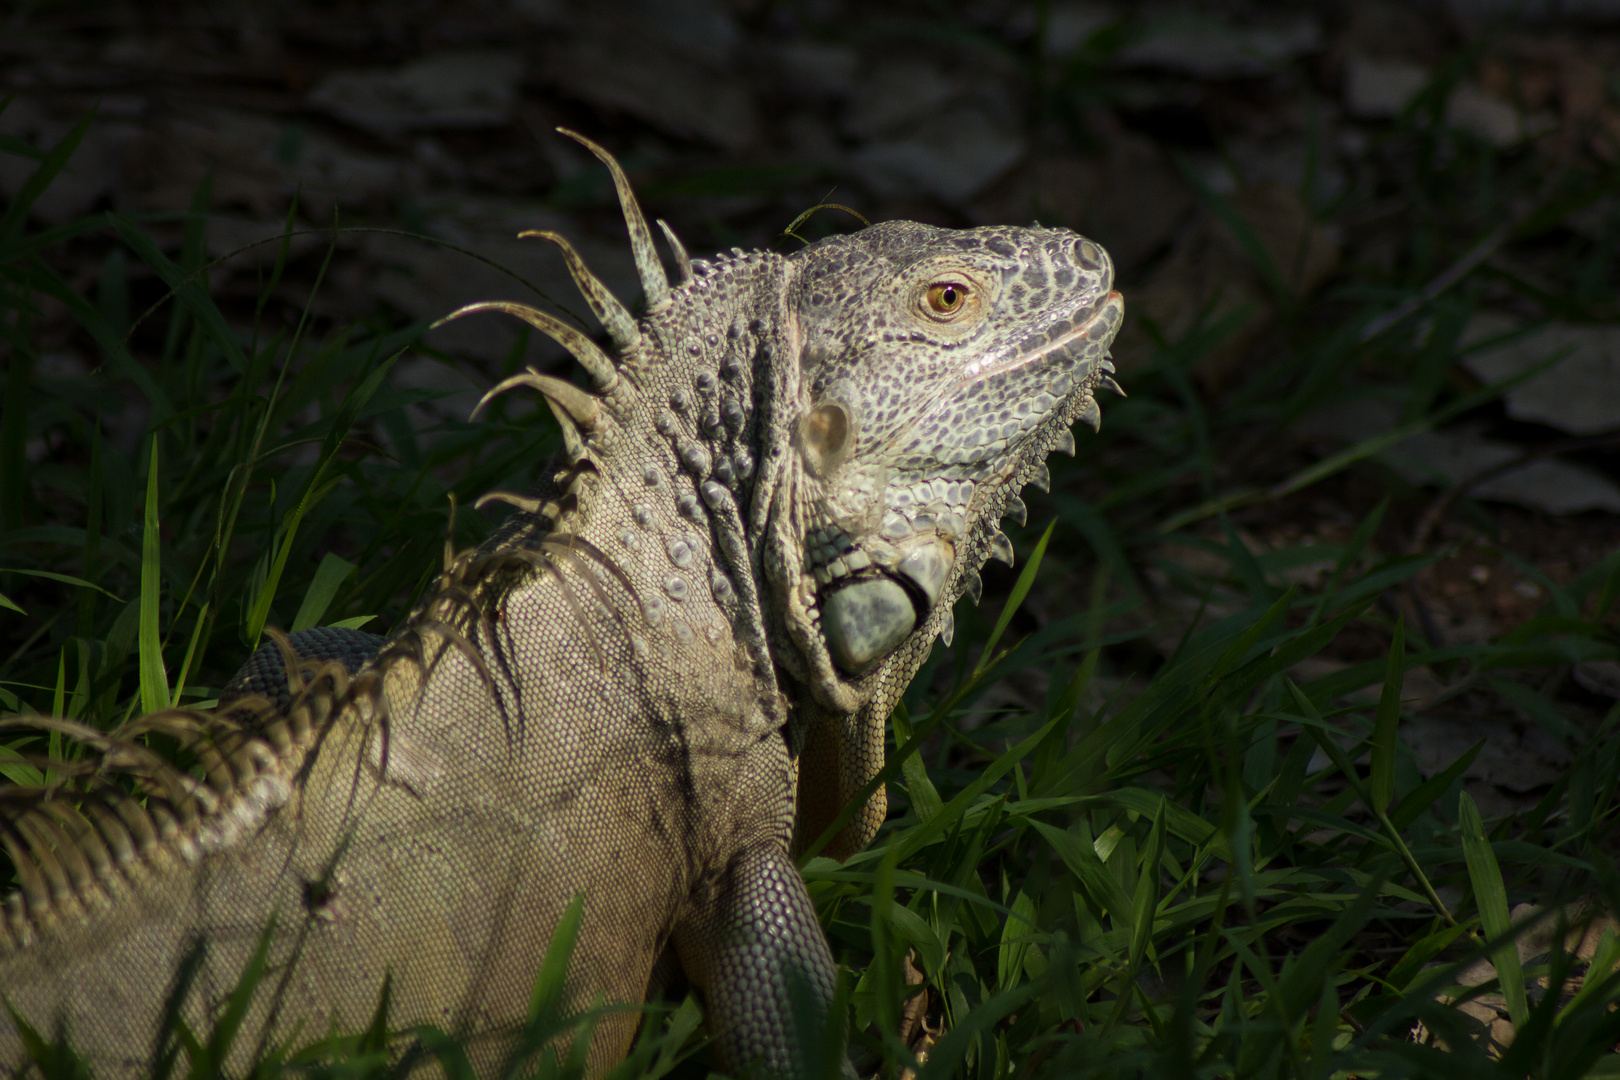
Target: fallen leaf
813,71
451,90
92,173
1599,677
1069,23
1451,456
256,163
896,95
1194,44
616,60
951,157
1130,198
1377,89
1579,394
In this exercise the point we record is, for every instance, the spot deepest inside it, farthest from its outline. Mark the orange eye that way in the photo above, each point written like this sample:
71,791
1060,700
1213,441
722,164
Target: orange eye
947,297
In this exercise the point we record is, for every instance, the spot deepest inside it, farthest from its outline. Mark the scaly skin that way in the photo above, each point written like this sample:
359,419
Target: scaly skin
676,659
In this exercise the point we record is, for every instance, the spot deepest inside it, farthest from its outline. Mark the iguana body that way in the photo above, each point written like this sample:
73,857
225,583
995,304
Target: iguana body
635,692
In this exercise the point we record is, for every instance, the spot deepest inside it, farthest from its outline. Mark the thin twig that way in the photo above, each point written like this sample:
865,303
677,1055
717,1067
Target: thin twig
1449,277
1437,509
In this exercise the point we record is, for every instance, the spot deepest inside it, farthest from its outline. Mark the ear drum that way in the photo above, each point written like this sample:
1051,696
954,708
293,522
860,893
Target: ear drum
826,437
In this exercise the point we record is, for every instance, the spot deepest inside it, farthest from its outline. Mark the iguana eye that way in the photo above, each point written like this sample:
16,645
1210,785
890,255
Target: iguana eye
947,297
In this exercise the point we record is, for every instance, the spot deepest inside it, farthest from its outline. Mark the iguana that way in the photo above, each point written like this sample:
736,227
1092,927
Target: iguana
659,679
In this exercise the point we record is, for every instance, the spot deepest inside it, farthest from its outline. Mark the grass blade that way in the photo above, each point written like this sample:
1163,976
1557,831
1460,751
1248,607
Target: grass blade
1382,782
236,1006
1026,580
154,679
1016,934
1490,894
329,577
14,439
549,982
66,579
314,491
40,179
187,289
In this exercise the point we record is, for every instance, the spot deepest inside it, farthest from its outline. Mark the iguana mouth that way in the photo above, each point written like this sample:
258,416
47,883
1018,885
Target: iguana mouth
1091,324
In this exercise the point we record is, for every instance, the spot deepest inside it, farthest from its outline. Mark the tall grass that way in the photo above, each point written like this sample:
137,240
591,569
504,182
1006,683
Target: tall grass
1223,868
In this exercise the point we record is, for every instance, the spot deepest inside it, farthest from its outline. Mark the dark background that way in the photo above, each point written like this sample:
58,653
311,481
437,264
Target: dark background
1271,179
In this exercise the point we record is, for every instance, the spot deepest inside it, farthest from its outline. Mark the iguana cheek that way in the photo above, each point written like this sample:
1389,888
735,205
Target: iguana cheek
864,621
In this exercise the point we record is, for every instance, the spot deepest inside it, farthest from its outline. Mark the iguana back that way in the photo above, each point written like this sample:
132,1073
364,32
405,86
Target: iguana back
771,500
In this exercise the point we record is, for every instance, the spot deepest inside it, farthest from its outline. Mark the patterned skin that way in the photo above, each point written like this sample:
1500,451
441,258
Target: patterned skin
644,689
946,365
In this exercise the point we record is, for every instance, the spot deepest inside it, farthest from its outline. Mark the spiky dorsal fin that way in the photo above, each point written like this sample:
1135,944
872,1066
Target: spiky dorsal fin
84,838
653,282
609,310
613,315
682,260
574,409
592,359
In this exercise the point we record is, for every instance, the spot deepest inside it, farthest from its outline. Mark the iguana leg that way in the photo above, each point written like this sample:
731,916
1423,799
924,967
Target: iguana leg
757,935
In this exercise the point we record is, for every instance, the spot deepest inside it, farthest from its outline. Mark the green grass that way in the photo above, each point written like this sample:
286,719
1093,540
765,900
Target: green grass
1223,872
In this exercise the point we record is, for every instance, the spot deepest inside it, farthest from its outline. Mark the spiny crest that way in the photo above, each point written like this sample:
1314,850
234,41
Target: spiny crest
460,611
590,357
578,413
609,310
653,282
105,823
109,820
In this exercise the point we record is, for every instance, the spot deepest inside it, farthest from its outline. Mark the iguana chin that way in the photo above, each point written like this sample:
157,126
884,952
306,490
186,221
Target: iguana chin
676,659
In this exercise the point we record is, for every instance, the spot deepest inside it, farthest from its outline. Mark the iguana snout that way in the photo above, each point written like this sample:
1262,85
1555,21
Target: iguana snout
938,368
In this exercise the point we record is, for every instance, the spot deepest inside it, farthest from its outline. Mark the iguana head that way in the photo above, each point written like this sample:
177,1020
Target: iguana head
896,387
936,370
